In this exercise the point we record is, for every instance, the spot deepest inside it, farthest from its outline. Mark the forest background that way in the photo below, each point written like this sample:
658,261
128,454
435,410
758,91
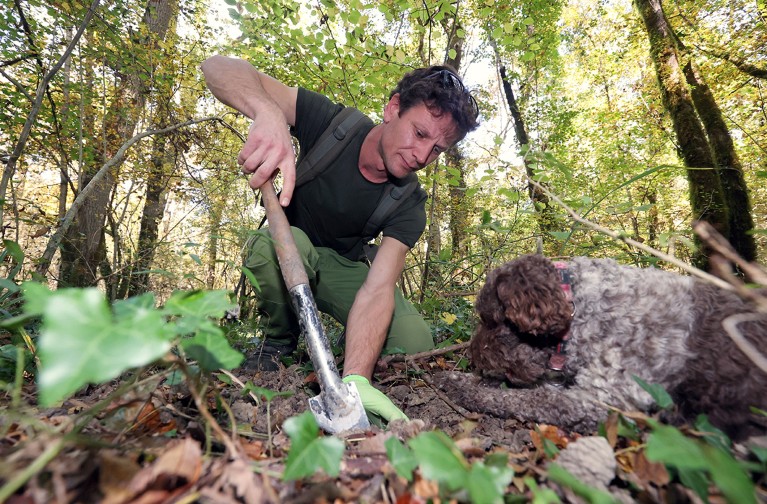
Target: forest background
608,129
120,167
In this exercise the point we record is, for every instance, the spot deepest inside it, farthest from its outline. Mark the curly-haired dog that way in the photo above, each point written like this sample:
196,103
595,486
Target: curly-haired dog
591,325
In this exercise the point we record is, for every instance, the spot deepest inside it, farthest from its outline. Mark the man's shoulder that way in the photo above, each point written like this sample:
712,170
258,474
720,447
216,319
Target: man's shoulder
315,113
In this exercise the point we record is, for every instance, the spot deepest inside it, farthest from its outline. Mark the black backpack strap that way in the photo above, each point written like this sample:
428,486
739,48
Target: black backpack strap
330,144
394,195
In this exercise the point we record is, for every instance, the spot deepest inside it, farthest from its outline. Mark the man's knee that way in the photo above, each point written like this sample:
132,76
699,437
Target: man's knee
259,249
410,334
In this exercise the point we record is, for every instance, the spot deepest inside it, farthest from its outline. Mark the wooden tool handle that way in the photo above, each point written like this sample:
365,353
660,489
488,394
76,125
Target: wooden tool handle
284,244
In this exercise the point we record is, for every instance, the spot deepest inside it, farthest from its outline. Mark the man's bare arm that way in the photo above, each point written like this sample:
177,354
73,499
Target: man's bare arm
373,308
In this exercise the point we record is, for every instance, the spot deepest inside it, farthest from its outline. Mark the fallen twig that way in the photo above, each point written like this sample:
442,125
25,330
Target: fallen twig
423,355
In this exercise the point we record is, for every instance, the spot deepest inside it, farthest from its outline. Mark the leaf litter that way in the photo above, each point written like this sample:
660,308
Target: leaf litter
152,445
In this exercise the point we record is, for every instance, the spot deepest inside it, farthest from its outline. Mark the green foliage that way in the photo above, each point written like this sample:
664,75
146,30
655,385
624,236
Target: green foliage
13,256
440,460
658,393
401,458
84,340
308,450
541,495
699,464
452,318
560,475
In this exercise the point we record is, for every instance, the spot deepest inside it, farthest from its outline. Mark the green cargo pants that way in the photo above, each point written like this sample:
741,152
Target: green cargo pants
334,281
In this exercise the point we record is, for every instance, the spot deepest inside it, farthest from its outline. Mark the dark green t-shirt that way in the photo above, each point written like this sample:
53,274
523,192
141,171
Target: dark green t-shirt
333,208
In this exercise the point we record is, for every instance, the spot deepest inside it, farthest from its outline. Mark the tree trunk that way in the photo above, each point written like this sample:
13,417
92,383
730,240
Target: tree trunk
84,249
543,210
730,168
706,198
161,164
460,206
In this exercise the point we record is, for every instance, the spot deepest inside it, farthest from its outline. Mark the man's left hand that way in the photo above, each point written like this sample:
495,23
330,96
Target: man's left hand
374,401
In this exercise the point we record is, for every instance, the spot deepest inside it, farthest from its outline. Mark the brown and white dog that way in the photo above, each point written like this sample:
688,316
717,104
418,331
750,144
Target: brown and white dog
570,339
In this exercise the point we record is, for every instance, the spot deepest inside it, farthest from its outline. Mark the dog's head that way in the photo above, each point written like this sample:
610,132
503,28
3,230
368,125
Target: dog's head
522,310
500,354
526,294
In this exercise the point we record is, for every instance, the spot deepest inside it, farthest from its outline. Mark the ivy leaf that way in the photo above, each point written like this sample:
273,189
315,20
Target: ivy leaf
712,435
559,474
658,393
440,460
211,350
561,235
696,480
401,458
265,393
308,451
671,447
14,250
195,309
82,341
729,476
488,483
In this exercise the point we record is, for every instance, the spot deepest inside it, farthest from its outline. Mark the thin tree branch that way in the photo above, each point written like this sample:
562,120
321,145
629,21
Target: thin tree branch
641,246
18,59
55,240
730,325
10,166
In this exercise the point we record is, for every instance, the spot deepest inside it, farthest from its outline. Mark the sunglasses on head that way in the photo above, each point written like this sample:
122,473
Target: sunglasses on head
450,80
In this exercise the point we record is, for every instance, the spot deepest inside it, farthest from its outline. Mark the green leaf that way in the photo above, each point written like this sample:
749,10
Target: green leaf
265,393
14,250
561,235
729,476
252,278
211,350
658,393
36,297
760,453
195,309
401,458
712,435
669,446
440,460
696,480
308,452
488,483
8,285
82,342
560,475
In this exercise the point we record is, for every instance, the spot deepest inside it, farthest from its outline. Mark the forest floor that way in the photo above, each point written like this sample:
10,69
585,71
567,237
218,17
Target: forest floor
153,445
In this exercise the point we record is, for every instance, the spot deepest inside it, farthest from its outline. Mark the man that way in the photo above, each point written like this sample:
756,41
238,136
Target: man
428,112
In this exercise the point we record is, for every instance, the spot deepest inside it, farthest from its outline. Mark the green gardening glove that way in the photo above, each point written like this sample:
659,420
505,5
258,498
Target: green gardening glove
374,401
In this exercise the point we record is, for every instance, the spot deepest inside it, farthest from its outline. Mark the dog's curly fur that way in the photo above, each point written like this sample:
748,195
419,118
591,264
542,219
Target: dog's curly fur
662,327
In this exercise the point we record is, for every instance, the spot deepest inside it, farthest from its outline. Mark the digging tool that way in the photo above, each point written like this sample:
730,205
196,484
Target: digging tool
338,407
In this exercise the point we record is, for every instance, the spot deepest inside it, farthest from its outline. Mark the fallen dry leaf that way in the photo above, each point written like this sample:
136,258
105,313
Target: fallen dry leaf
171,474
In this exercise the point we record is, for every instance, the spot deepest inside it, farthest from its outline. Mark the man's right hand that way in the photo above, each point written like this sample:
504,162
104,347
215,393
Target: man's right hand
272,106
268,148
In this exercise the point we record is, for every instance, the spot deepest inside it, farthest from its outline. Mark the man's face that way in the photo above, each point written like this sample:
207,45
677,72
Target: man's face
414,138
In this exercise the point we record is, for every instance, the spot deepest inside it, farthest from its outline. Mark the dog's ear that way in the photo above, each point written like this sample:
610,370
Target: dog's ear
488,305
